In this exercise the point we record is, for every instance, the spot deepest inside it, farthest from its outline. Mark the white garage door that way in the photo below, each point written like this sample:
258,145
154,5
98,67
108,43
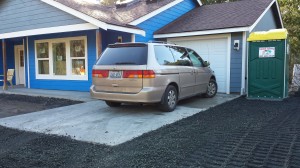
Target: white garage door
214,51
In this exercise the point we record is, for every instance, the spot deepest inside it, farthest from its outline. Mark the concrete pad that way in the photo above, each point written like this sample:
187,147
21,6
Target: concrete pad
71,95
95,122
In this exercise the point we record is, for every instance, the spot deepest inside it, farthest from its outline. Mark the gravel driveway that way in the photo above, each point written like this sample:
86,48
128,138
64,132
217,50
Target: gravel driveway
240,133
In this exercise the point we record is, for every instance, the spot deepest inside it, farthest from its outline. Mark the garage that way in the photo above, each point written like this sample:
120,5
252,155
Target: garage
215,50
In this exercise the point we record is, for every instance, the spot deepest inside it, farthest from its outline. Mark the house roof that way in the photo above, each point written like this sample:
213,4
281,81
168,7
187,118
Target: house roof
110,14
243,13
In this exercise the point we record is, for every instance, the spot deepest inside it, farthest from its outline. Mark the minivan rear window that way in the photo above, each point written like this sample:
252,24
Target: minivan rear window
124,55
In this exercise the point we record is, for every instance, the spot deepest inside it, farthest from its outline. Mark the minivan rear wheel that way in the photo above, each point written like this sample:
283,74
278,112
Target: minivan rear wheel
212,88
113,104
169,99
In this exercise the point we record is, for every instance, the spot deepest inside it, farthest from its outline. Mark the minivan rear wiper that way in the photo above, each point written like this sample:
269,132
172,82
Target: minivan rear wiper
125,63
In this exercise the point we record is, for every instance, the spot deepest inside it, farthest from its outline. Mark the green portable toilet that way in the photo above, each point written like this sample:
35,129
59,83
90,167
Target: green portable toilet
268,65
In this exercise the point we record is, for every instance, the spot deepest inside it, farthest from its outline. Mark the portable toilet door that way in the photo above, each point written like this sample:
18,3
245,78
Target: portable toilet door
268,65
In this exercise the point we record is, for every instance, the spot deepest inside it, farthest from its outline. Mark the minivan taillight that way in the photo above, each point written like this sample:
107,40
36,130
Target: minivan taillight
100,73
138,74
148,74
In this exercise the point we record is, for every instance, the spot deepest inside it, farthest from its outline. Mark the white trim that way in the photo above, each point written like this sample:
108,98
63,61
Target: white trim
280,16
94,21
76,13
150,15
132,38
228,64
243,82
126,29
261,16
217,36
49,30
68,75
199,33
200,2
28,73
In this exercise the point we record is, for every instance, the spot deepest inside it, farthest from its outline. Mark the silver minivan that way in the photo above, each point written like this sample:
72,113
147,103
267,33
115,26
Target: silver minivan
151,73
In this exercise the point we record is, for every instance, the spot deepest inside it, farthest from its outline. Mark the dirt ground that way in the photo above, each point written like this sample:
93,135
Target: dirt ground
11,105
240,133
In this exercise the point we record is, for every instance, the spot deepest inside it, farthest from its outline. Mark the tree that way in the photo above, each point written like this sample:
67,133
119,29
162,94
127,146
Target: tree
290,10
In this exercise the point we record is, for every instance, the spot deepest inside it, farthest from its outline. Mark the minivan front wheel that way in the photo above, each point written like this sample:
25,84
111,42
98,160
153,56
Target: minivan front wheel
113,104
169,99
212,89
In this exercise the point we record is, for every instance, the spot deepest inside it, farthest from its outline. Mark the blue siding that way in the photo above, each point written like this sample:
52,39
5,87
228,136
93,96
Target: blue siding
267,22
164,18
63,84
111,37
236,64
22,15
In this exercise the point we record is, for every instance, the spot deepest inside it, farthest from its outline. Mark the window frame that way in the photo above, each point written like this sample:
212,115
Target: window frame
69,75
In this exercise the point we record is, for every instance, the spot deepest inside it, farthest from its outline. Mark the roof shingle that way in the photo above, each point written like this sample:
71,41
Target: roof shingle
112,15
241,13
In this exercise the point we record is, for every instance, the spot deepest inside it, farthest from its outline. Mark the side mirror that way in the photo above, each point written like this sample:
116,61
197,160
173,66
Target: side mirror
206,63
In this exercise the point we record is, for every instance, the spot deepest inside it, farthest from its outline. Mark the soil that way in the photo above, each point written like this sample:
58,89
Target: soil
240,133
11,104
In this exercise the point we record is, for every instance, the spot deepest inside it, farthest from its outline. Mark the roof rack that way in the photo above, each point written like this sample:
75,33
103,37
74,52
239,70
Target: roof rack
162,42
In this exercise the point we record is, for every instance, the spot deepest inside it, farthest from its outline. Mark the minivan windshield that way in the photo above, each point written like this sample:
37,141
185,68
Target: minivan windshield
124,55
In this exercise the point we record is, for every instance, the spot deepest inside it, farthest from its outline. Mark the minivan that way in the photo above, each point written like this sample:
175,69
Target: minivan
152,72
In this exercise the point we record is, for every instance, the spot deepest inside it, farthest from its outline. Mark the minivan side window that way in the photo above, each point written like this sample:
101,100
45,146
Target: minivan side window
195,58
164,55
181,56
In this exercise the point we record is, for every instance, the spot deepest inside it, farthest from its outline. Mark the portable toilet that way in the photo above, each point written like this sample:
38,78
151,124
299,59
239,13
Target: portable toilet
268,72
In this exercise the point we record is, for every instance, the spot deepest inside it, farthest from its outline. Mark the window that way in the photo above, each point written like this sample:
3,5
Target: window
164,55
77,51
21,58
181,56
64,59
124,55
59,59
42,54
195,58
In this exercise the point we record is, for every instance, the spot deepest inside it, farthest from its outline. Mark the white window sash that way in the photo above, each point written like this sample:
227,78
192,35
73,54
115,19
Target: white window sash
69,75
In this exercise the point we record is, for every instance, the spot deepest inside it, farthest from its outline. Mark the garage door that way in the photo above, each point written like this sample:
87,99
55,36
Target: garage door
214,51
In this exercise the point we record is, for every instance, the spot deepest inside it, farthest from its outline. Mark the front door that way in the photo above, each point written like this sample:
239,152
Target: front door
20,65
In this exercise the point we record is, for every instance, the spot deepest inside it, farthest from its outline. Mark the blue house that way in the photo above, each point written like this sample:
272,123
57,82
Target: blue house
53,44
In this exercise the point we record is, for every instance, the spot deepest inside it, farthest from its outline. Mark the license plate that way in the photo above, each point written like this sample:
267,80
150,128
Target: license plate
115,74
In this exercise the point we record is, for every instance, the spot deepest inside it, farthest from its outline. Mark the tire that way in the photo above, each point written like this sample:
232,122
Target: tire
113,104
169,99
212,89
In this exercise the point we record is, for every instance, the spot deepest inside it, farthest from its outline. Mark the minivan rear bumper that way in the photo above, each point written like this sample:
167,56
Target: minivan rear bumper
146,95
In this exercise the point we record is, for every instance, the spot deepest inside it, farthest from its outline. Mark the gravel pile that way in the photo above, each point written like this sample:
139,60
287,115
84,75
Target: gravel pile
240,133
